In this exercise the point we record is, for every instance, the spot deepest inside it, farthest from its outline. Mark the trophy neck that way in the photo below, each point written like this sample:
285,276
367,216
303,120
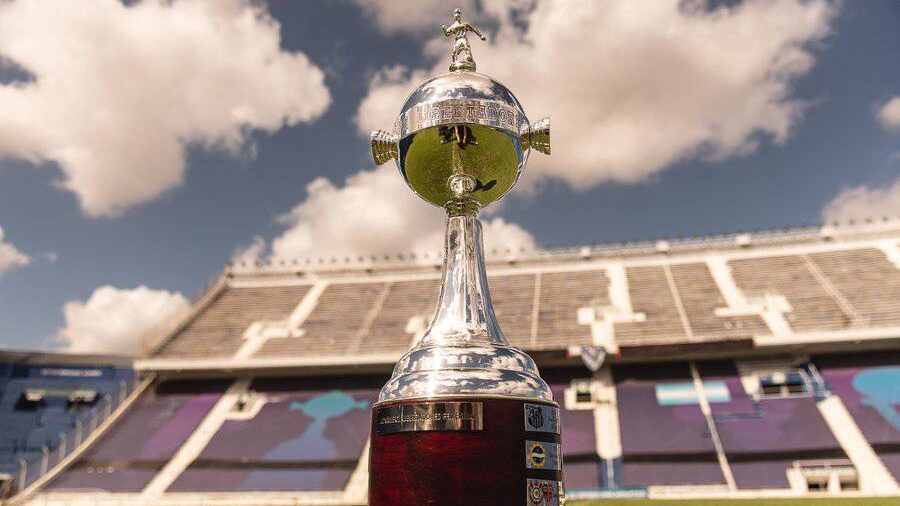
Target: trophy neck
463,352
464,313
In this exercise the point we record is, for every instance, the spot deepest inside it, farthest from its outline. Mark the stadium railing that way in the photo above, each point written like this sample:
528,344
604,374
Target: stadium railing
31,470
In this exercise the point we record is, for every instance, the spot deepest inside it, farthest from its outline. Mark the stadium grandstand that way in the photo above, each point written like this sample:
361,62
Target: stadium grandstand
49,404
736,366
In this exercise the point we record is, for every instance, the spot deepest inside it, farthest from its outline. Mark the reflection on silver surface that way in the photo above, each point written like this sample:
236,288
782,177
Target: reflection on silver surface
464,350
384,146
461,123
461,141
538,136
461,97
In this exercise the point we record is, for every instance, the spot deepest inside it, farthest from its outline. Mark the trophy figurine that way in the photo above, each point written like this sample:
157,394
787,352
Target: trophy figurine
465,418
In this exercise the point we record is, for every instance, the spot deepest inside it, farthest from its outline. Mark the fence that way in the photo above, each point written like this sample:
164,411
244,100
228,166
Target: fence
31,470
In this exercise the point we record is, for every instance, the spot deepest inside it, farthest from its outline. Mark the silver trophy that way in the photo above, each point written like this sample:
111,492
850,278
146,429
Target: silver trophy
461,142
465,417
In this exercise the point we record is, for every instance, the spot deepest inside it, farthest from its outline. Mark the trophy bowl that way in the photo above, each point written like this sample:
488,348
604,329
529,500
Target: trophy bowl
461,134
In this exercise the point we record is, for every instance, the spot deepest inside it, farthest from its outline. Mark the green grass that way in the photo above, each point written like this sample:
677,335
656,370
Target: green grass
882,501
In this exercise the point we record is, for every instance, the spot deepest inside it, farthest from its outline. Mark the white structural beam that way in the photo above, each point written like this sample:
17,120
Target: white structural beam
679,304
842,301
259,332
195,444
713,430
606,421
770,307
891,249
602,320
357,489
874,478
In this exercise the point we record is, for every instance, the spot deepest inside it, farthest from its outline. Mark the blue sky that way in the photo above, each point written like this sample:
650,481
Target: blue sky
179,238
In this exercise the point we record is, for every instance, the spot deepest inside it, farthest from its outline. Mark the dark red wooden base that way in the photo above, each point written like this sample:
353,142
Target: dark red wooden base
455,468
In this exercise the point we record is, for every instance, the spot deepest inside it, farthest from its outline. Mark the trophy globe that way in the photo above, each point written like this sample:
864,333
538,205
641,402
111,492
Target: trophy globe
461,142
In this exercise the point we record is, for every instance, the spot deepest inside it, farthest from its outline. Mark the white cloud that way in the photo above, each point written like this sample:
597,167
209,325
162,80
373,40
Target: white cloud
634,86
889,113
864,202
500,235
394,16
115,321
10,257
250,254
119,91
387,91
374,212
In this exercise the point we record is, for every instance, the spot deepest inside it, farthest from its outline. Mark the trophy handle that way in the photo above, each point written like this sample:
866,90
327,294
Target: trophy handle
538,136
384,146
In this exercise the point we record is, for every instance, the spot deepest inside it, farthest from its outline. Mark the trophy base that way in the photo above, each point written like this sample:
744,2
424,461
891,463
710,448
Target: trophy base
465,450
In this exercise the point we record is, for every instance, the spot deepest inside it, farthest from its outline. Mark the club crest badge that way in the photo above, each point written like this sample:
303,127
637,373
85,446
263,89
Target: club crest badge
535,416
537,455
541,418
542,455
542,492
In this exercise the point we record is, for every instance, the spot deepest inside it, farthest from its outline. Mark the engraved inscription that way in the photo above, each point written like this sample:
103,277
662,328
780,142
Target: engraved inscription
460,111
430,416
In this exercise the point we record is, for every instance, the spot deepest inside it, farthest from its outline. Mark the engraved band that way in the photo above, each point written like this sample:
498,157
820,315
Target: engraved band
460,110
429,416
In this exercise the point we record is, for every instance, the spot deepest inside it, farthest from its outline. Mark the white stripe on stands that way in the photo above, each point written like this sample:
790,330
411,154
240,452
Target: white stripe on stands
253,343
828,286
195,444
711,424
369,319
874,478
357,489
606,419
891,249
535,309
679,304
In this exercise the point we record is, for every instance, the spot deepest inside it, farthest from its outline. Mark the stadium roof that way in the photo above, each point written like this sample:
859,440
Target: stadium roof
36,358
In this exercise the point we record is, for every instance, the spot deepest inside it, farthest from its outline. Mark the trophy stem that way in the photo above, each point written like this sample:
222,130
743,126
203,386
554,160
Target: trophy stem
464,352
464,314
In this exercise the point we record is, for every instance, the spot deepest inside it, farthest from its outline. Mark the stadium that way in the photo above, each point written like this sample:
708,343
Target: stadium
272,158
746,366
